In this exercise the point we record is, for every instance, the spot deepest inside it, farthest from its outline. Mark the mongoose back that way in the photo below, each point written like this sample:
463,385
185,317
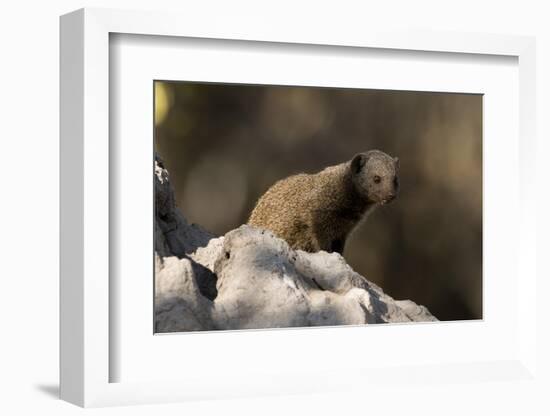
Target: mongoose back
314,212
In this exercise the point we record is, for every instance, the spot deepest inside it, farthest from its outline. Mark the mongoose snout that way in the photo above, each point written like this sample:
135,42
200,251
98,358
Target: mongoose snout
389,199
314,212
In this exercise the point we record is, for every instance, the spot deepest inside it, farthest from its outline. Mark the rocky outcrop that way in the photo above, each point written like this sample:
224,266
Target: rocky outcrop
251,279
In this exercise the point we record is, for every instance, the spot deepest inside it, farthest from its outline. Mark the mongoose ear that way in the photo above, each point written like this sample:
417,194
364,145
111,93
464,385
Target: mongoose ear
358,162
396,160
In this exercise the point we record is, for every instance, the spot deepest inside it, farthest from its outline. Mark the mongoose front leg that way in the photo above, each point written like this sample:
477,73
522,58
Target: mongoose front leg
308,242
337,246
311,246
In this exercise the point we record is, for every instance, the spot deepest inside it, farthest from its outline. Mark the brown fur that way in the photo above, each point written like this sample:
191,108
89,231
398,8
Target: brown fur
314,212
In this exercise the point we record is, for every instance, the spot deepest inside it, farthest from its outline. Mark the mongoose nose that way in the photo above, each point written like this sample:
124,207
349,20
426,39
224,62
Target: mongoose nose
391,197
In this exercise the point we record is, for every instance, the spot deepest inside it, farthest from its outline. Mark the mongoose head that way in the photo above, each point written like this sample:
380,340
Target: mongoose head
375,175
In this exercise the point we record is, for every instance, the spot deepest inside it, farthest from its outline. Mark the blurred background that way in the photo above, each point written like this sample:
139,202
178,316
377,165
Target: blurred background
225,145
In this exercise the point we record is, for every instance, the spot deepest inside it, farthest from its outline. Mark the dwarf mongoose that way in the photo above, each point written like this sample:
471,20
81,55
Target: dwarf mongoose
314,212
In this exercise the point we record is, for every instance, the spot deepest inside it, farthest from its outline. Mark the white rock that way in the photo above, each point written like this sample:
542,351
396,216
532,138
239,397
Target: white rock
179,306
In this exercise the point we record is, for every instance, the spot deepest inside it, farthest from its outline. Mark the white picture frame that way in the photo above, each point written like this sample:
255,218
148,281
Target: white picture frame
86,356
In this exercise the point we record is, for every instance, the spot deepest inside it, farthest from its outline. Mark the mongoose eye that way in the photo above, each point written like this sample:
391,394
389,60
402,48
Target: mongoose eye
376,179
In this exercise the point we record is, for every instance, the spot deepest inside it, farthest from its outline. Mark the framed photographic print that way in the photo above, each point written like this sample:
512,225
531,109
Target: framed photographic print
290,212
